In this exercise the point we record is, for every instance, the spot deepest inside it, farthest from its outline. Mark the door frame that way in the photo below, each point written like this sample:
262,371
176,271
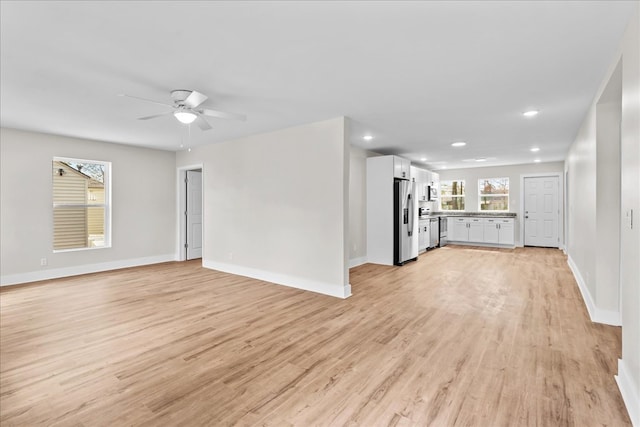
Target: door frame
181,207
560,176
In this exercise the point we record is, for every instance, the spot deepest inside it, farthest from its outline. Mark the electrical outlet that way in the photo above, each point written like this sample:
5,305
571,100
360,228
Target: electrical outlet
230,256
43,262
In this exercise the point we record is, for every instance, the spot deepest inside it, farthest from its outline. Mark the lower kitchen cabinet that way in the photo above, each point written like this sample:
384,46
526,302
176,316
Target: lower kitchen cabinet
467,229
423,235
459,230
495,231
507,235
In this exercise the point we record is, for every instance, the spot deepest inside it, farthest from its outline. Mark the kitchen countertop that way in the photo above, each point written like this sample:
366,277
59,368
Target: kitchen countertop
471,214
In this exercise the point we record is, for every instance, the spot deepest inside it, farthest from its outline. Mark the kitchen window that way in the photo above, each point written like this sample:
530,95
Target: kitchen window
493,194
452,195
81,204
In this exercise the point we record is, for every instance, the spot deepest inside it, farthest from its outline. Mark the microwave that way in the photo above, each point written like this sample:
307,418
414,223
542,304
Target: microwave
432,193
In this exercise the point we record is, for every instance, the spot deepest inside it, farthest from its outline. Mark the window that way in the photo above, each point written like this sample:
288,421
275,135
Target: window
452,195
81,204
493,194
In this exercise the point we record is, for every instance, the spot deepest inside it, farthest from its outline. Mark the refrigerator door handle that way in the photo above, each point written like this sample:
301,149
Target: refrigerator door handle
411,218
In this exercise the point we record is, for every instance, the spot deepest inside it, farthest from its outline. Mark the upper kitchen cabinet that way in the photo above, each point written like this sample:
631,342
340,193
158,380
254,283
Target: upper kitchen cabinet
414,174
401,168
435,179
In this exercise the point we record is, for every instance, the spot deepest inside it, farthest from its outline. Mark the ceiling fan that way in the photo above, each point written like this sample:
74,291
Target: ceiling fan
187,108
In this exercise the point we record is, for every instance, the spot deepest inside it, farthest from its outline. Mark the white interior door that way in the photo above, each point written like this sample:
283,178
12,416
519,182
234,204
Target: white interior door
541,211
194,214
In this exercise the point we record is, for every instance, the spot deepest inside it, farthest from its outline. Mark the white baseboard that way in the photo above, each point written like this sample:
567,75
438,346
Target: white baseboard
357,261
331,289
598,315
630,393
481,244
55,273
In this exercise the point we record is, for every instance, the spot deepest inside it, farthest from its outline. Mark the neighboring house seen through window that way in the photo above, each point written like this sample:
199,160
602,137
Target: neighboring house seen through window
493,194
452,195
81,204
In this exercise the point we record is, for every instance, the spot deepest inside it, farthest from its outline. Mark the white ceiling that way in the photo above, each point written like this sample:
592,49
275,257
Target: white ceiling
416,75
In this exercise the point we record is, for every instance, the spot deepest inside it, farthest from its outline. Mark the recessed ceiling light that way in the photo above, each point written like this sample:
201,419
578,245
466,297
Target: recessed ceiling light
367,137
459,144
481,159
444,167
423,159
530,113
537,160
535,149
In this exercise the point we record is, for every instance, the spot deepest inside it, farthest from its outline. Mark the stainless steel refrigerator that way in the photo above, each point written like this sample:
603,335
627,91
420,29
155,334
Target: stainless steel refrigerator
405,216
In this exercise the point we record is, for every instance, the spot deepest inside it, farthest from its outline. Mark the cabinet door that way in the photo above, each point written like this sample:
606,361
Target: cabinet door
401,168
507,232
460,230
435,178
414,174
476,230
425,234
491,230
406,168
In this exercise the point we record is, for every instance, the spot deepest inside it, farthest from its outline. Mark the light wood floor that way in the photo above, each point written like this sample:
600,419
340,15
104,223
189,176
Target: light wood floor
463,337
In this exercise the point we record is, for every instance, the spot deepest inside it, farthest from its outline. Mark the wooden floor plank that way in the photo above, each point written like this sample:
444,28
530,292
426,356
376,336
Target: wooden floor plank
463,337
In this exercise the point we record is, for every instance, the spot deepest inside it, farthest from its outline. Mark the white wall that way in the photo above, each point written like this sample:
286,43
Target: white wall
607,278
358,205
276,206
583,249
143,212
513,172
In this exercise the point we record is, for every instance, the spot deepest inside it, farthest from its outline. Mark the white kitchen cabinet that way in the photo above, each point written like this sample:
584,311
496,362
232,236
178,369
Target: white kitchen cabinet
468,229
460,229
495,231
401,168
435,178
506,230
476,230
414,174
491,230
423,235
499,231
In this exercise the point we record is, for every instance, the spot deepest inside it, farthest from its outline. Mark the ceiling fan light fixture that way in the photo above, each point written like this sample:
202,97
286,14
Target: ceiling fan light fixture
185,117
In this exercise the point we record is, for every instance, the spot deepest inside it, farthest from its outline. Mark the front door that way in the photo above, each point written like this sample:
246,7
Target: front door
541,211
194,214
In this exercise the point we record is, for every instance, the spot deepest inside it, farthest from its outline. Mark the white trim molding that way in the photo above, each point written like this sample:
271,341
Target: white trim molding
629,393
56,273
331,289
354,262
598,315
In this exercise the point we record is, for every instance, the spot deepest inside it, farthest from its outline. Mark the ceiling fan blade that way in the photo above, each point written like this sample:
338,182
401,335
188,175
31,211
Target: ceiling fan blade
202,123
146,100
155,115
194,99
222,114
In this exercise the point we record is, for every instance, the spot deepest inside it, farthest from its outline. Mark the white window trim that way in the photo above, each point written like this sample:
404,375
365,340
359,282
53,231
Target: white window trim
462,196
480,195
107,204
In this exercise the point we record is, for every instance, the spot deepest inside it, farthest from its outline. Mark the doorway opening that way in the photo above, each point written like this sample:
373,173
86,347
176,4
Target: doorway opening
190,213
